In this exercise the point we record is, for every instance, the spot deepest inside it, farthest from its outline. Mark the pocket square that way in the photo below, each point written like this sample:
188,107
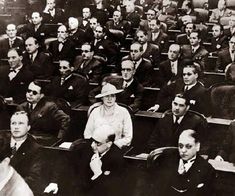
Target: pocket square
200,185
101,47
70,88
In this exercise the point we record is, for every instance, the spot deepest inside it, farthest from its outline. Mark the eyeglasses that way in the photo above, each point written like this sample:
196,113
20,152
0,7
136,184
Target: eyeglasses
99,31
32,91
85,51
187,74
63,67
126,69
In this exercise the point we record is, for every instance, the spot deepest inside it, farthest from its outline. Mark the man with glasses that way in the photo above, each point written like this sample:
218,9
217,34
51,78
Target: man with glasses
11,41
62,48
88,65
71,87
44,115
23,151
183,171
15,80
168,128
190,86
143,67
226,56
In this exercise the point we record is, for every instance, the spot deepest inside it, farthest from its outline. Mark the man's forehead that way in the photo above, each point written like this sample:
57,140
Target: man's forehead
19,117
12,53
179,100
34,87
188,69
11,26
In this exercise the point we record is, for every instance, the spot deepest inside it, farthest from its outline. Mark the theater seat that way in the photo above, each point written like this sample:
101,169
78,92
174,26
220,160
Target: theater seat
223,100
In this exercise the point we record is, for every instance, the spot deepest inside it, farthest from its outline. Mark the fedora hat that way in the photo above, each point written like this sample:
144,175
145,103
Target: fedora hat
108,89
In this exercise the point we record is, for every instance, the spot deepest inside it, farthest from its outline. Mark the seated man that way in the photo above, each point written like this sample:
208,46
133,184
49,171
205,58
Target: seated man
88,65
226,150
190,86
12,184
45,116
24,151
106,164
169,127
182,171
71,87
15,81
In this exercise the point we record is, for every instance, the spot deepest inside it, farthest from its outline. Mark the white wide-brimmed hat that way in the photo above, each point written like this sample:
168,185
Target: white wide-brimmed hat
108,89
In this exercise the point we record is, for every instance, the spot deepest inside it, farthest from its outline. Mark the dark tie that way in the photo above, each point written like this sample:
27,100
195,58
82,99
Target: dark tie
13,70
13,150
176,124
60,46
31,58
30,107
185,88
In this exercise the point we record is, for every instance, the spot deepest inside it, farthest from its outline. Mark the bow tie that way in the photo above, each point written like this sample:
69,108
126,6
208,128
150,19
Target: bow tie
13,70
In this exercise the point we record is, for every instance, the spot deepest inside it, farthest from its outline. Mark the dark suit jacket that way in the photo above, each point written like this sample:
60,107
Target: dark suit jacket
68,51
92,69
199,56
16,87
196,95
113,162
47,118
224,58
226,149
166,73
27,160
123,26
74,90
182,39
153,54
4,46
219,44
166,133
132,95
78,38
42,67
16,186
134,18
59,17
198,181
162,40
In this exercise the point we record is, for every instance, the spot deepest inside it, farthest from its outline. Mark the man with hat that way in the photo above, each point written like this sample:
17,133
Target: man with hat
110,113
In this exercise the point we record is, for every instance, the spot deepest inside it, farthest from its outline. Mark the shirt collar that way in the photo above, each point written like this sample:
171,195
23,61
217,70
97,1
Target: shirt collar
190,86
128,83
179,119
18,143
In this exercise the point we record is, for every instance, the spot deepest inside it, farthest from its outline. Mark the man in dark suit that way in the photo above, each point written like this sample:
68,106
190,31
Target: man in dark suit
69,86
106,164
12,184
219,41
76,34
53,14
156,35
45,116
132,15
143,67
105,47
37,62
24,151
15,81
150,50
195,51
183,171
84,21
12,41
172,68
88,65
62,48
183,39
190,86
169,127
132,90
226,56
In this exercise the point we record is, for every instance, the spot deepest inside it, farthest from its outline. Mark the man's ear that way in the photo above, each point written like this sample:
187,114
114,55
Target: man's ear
198,146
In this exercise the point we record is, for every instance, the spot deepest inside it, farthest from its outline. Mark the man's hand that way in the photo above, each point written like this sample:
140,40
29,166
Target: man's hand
52,187
219,158
154,108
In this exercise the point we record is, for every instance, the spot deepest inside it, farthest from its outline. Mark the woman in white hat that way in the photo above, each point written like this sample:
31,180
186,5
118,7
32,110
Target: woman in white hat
110,113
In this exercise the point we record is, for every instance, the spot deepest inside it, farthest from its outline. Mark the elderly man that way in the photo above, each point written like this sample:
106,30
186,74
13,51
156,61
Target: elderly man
16,79
62,48
71,87
173,123
12,184
88,65
171,69
182,171
39,63
143,67
24,151
45,116
12,41
190,86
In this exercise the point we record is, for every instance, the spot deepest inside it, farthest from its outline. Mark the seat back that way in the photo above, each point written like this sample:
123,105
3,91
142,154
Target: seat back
222,100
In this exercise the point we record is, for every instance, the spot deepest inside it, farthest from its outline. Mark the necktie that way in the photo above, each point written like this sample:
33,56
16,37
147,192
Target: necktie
31,58
125,85
60,46
12,74
62,81
11,43
173,68
13,150
185,88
